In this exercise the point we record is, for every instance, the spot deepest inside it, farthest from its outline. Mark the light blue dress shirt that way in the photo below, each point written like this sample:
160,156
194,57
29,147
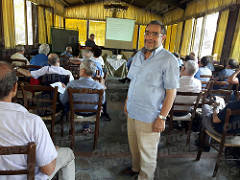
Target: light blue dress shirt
149,80
81,83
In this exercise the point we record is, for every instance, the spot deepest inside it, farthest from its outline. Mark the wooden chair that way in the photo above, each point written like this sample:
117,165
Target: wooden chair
44,103
226,140
30,150
75,118
225,94
74,69
221,85
190,110
206,84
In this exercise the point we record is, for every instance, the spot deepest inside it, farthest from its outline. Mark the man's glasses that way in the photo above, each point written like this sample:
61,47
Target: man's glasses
154,34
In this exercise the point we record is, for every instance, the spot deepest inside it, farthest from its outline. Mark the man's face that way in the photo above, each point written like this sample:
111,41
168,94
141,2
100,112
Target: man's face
92,38
153,37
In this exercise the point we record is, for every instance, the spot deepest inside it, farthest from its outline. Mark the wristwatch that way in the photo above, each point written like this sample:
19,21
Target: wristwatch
162,117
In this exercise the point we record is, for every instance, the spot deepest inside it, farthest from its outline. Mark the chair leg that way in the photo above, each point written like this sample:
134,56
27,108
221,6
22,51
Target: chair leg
201,139
189,134
96,133
52,128
72,133
218,160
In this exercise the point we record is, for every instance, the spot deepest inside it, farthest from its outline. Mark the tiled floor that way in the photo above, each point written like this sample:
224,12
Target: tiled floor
175,161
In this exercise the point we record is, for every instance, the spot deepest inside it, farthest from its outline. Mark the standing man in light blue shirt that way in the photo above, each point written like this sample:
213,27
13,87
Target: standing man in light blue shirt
154,75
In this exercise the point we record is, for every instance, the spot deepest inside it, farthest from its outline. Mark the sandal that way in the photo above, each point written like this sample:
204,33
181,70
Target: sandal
129,172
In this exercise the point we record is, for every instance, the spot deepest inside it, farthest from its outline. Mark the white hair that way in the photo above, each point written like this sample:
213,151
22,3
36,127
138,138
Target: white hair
19,48
44,49
89,66
191,67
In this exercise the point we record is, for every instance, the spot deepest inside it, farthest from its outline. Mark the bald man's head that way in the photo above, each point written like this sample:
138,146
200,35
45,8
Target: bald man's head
7,79
53,59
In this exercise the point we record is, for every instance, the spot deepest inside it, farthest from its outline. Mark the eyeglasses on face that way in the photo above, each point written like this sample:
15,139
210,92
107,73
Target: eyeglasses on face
154,34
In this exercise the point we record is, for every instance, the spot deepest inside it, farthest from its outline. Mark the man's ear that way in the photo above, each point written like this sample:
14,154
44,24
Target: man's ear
14,90
163,38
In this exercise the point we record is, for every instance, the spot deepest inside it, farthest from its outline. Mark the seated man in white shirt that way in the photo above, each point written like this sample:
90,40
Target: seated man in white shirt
18,127
19,55
54,68
188,84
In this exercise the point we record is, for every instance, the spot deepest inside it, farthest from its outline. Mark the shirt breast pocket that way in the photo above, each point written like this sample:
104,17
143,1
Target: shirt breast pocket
154,78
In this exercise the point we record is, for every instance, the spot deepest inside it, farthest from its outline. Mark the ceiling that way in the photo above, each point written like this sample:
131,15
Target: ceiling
158,7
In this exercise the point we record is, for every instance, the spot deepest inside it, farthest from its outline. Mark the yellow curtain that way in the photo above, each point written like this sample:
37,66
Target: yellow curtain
41,26
8,21
220,35
167,41
178,37
58,8
141,37
173,38
58,21
235,50
186,37
80,25
49,25
173,16
98,29
96,11
195,8
135,37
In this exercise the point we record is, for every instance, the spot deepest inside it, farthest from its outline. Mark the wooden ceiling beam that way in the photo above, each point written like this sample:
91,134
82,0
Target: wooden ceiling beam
174,3
63,2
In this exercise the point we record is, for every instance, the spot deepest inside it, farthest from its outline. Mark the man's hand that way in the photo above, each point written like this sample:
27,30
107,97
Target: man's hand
159,125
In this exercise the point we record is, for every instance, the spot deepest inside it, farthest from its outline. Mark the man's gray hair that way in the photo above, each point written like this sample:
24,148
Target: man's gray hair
191,67
7,80
89,66
19,48
44,49
155,22
53,59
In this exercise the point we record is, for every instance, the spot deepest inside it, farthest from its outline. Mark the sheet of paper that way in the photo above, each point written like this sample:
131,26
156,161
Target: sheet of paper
59,85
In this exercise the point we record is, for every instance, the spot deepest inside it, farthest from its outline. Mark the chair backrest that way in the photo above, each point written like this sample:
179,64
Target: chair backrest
48,79
186,106
227,125
225,94
44,102
73,102
30,150
221,85
74,69
206,84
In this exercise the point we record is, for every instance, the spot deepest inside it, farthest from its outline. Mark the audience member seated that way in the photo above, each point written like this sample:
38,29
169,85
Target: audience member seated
97,52
90,41
54,68
68,52
235,77
214,120
87,70
19,127
19,55
188,83
41,59
180,62
204,70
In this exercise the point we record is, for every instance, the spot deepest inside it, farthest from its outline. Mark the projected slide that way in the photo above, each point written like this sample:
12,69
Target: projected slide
120,29
119,33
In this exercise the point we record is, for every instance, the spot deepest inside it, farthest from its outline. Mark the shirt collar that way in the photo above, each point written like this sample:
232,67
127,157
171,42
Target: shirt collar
86,78
187,77
144,50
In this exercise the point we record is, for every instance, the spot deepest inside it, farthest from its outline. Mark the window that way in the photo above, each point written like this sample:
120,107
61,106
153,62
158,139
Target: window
141,37
29,23
80,25
98,29
197,35
19,21
209,34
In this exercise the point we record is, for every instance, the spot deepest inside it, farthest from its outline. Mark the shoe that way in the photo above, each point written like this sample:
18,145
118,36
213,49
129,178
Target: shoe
86,131
105,116
122,80
129,172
